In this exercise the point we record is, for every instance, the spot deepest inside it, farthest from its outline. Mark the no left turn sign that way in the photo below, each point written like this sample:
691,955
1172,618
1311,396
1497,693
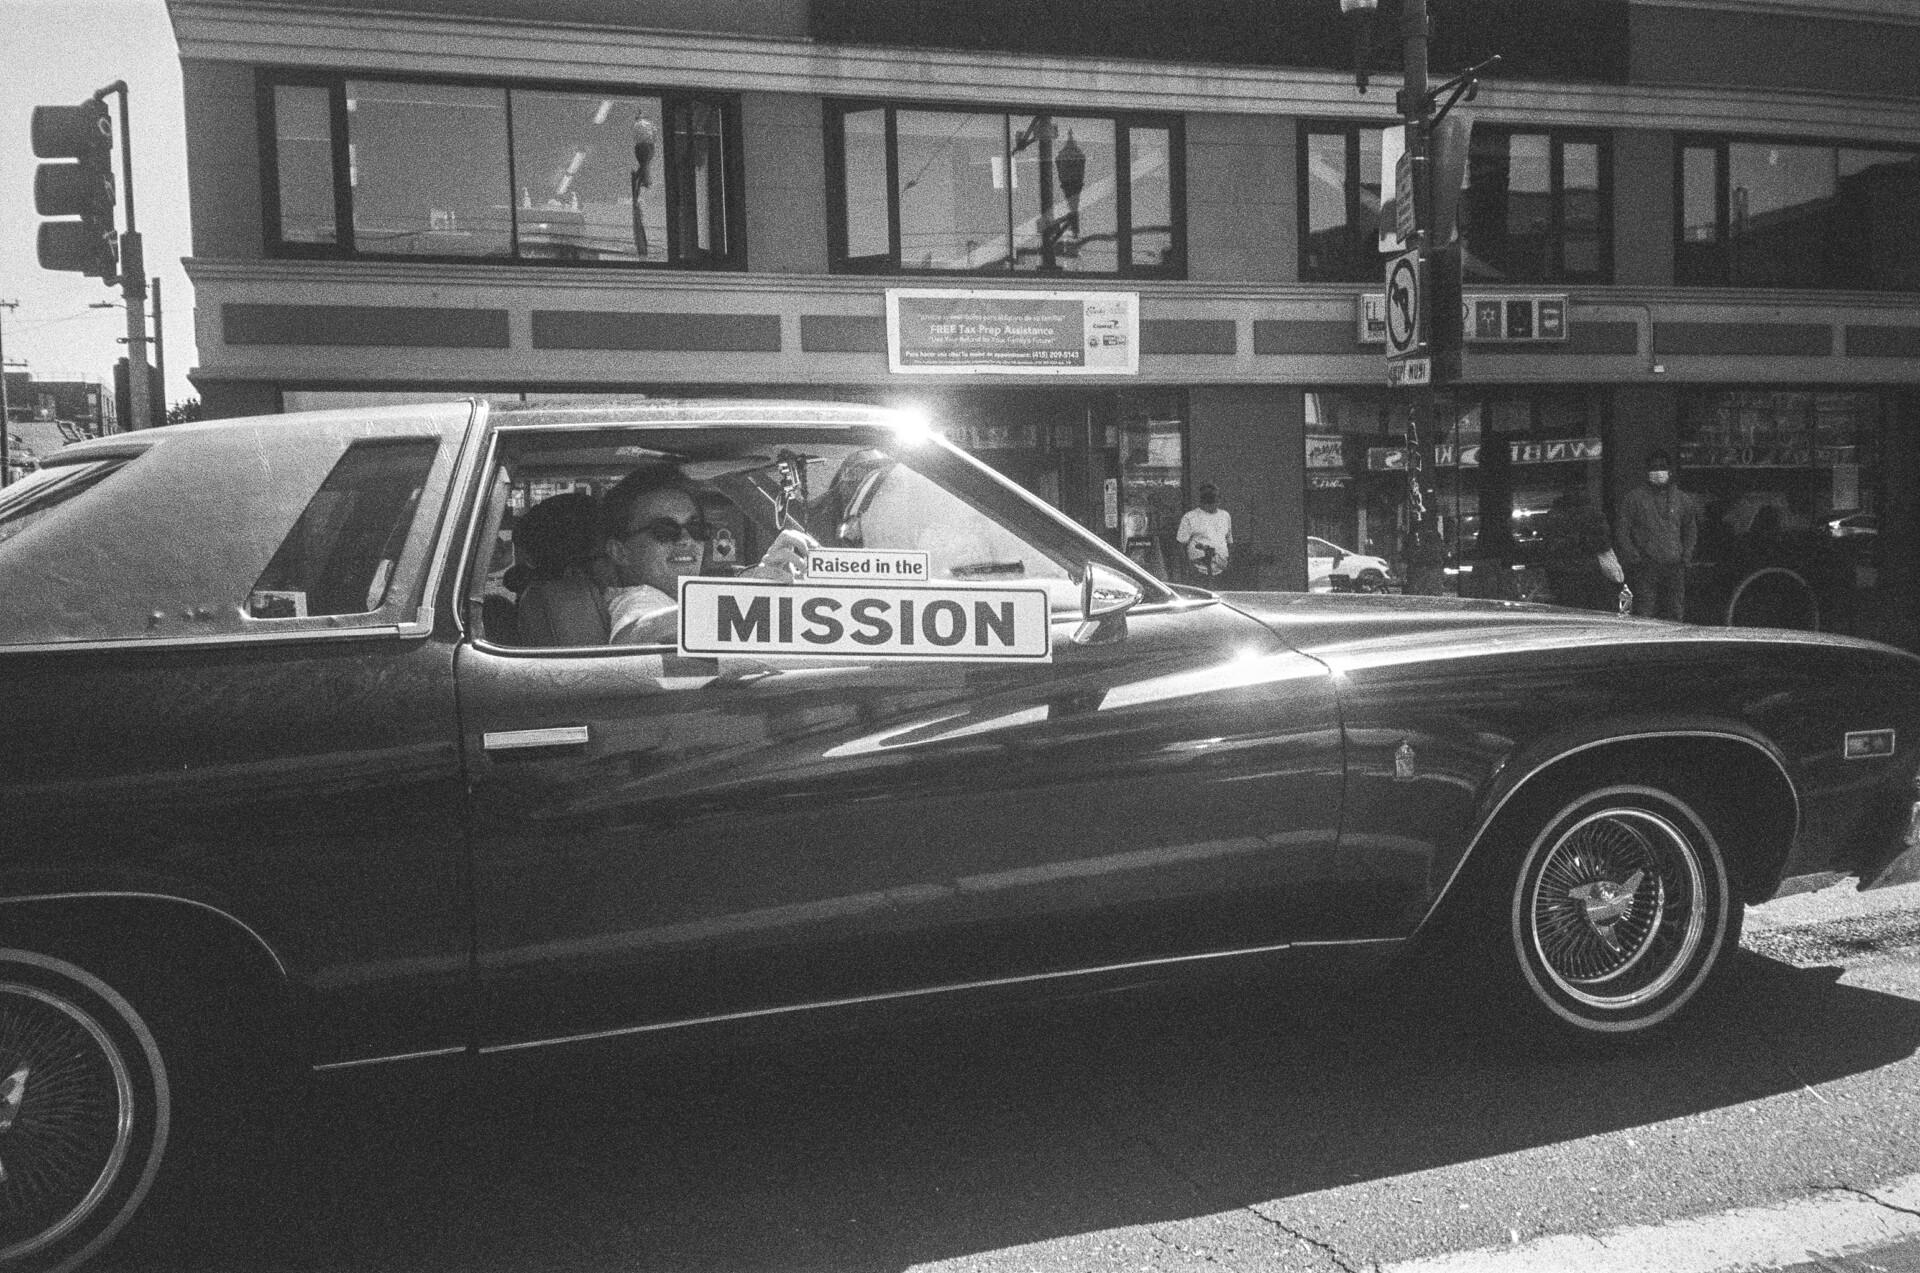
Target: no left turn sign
1406,325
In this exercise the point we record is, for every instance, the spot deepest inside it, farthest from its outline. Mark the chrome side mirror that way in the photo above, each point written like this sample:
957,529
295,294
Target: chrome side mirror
1105,597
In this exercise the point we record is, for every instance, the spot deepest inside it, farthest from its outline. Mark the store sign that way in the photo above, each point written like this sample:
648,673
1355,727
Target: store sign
1393,459
938,332
1768,457
1326,451
1483,319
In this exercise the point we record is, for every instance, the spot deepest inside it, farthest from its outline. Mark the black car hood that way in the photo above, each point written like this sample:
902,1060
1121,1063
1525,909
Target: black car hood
1324,623
1308,621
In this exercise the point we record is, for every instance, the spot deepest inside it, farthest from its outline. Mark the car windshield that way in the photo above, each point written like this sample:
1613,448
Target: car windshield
40,494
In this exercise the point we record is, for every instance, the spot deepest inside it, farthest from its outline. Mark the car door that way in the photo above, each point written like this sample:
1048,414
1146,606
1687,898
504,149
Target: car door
654,843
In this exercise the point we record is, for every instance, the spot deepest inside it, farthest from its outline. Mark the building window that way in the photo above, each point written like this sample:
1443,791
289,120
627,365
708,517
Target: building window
1340,203
1764,214
990,192
374,167
1534,209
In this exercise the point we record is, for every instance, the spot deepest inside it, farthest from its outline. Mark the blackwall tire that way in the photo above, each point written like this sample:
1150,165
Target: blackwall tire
85,1108
1620,911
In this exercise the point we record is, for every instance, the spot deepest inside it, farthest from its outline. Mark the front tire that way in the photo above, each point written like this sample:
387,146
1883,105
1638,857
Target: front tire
85,1107
1620,911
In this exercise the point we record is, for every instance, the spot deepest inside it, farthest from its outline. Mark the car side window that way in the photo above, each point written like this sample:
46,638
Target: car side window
747,495
340,556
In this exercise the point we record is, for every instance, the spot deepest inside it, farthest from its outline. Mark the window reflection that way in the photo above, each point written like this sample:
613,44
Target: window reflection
1340,241
428,169
1535,208
953,182
1150,169
985,191
436,170
589,177
1763,214
303,154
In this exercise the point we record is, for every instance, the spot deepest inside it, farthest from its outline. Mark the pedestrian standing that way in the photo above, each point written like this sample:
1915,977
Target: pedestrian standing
1206,534
1659,525
1582,568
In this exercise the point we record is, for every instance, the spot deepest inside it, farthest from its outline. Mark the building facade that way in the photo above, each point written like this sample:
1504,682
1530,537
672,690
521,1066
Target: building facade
1687,225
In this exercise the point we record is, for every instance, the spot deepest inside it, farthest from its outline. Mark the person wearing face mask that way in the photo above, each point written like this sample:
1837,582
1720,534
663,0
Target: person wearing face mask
1659,524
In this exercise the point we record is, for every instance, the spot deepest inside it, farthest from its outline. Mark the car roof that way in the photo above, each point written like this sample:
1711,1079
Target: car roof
673,412
699,412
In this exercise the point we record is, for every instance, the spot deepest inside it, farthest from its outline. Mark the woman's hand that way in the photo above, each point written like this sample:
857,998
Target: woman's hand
785,560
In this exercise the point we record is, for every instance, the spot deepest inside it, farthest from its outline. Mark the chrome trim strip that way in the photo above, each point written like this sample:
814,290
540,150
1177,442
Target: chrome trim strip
457,489
382,630
886,996
236,921
557,736
330,1066
463,572
1494,814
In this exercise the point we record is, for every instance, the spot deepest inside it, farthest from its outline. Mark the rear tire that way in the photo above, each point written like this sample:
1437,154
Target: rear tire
1619,912
85,1110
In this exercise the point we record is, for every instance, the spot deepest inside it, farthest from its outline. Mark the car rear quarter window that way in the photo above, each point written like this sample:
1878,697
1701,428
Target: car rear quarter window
36,497
283,526
340,556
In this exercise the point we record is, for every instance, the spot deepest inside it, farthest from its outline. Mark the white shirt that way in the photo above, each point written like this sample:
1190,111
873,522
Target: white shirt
642,615
1200,530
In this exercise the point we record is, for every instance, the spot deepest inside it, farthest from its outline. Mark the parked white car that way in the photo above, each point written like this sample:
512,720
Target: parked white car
1331,568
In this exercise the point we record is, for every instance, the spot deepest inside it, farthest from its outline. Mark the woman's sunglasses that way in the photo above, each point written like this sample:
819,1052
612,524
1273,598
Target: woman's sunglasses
665,530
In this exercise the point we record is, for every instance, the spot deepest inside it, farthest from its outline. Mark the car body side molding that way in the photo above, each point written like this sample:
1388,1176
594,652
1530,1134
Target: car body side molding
266,947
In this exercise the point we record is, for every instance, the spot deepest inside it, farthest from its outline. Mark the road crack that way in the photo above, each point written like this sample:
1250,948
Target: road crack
1331,1252
1905,1211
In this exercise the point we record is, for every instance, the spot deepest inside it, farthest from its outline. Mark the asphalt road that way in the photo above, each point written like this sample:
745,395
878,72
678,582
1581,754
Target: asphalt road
1249,1127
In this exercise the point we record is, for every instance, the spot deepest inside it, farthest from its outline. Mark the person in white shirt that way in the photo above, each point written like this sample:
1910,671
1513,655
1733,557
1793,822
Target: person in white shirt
1206,533
655,535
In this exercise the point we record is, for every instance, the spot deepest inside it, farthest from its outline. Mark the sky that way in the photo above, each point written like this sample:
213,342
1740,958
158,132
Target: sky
57,53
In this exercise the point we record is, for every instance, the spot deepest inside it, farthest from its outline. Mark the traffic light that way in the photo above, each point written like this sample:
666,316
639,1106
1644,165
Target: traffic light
82,189
123,398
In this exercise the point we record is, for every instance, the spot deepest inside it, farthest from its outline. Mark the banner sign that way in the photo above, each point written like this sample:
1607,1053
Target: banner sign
956,622
935,332
1326,451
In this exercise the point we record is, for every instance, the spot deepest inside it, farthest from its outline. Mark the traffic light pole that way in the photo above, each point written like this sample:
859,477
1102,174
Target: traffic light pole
1417,111
133,278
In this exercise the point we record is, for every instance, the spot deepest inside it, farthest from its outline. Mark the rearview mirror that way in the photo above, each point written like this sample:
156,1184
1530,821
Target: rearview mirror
1105,597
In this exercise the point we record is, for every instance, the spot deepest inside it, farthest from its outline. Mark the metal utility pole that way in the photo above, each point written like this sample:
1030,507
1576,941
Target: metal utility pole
6,406
133,279
159,350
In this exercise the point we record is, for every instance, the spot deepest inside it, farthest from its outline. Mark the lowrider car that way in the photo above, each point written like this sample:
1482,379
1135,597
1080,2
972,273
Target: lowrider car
317,752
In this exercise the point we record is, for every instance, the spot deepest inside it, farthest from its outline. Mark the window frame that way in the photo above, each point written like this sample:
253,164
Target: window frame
1349,130
835,111
1720,253
673,101
1558,138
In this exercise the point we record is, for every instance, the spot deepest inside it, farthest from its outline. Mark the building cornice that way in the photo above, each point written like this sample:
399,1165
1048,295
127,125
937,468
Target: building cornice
294,35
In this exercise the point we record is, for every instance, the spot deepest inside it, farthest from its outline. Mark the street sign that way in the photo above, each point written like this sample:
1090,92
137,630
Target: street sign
1406,321
1410,371
1528,319
1404,211
1393,145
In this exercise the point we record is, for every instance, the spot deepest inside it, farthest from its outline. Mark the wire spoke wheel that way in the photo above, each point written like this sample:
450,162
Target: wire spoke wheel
1620,909
84,1108
66,1117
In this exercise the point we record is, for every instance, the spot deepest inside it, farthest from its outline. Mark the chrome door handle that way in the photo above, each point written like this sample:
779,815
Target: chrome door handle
512,739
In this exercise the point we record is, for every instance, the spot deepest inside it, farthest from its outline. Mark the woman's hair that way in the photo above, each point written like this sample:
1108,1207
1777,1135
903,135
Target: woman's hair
616,506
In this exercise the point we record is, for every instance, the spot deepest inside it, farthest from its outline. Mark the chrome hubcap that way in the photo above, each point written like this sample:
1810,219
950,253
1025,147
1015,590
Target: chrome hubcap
1618,908
66,1118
